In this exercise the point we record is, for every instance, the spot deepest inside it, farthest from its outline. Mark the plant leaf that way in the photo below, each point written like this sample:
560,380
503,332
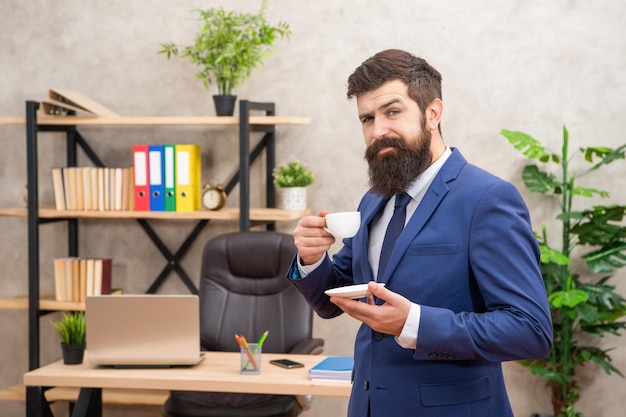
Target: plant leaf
549,255
608,155
607,259
528,145
538,181
568,298
589,192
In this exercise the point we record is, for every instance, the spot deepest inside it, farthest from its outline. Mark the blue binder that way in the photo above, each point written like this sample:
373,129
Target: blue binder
156,175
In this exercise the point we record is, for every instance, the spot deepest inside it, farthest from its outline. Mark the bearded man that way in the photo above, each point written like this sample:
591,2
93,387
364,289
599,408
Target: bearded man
454,247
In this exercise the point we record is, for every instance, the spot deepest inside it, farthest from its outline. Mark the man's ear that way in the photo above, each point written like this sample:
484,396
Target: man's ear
433,114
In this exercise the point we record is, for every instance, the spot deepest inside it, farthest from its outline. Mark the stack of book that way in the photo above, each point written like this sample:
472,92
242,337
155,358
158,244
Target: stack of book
75,278
333,368
92,188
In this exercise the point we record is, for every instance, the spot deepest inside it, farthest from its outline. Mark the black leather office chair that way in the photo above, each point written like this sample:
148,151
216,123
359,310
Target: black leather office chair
243,290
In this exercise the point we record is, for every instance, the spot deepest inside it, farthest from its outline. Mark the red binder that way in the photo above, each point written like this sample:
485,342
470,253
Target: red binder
141,172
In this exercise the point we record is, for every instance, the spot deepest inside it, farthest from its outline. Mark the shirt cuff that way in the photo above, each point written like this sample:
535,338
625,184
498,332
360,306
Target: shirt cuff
408,336
305,270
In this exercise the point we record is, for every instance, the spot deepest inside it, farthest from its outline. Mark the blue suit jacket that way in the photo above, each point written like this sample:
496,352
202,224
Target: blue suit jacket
469,258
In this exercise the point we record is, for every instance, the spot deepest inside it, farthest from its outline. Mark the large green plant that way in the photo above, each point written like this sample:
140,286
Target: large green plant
229,45
580,302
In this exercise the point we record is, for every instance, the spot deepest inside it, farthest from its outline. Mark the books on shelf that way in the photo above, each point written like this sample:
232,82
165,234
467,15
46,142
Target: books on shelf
75,278
162,178
334,368
68,102
92,188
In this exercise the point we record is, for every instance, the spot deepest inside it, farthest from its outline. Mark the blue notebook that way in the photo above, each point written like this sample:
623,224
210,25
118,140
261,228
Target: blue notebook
333,368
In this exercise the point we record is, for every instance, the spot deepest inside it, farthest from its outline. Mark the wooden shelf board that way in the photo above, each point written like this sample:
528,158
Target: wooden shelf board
156,120
14,393
256,214
12,120
109,395
46,302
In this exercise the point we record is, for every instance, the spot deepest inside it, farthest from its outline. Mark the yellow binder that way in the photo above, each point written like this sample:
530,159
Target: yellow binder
188,177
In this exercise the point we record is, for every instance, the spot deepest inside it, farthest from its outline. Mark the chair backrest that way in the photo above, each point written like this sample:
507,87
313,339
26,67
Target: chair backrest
243,290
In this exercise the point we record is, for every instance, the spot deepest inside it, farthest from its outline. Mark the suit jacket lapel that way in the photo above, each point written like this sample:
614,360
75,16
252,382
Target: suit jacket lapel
360,243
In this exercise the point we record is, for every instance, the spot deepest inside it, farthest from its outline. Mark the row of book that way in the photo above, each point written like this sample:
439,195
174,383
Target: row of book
75,278
93,188
167,177
162,178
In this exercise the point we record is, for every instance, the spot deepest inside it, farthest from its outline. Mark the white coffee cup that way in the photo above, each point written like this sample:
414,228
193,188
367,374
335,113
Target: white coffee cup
343,224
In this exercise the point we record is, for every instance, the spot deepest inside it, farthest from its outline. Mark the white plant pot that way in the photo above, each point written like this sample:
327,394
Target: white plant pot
293,198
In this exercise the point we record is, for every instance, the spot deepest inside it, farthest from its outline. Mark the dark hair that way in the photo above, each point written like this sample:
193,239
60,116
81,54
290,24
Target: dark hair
422,80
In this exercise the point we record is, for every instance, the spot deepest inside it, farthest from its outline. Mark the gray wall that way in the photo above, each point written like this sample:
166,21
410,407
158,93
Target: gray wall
533,66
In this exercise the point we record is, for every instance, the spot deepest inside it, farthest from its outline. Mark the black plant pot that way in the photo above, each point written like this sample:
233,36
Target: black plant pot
72,354
224,104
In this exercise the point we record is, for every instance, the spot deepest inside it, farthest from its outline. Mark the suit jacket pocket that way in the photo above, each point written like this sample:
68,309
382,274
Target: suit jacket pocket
433,250
435,395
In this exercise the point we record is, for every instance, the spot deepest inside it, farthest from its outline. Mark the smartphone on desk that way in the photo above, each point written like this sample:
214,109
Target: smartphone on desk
286,363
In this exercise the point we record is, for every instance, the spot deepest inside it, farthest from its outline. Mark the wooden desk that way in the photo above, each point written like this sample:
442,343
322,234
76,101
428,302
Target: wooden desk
218,371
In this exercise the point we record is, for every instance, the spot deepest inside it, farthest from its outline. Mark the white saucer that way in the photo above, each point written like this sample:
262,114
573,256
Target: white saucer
350,291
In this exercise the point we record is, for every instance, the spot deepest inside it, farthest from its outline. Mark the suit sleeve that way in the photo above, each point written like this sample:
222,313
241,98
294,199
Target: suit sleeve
504,261
313,286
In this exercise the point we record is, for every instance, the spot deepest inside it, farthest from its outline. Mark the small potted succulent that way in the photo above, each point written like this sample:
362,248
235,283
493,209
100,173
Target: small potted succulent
292,179
71,328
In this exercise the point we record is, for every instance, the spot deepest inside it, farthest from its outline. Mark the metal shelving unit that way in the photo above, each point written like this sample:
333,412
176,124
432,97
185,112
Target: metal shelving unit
247,124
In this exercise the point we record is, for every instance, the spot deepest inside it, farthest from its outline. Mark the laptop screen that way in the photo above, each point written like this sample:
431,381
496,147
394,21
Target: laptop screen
143,330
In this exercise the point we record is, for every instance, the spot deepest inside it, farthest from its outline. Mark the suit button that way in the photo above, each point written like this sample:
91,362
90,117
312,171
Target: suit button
378,336
366,385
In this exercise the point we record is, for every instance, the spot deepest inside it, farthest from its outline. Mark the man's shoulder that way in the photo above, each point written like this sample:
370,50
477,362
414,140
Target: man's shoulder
472,171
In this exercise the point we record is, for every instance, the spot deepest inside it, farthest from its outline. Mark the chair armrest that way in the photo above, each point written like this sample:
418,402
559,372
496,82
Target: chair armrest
309,346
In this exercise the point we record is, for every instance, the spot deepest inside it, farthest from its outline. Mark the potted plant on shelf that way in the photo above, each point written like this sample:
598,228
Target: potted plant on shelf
576,267
227,47
291,179
71,328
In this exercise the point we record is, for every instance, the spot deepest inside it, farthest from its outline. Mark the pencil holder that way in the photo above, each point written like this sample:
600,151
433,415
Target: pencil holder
251,359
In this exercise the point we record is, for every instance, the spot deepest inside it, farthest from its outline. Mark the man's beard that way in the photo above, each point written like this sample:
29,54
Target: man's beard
393,172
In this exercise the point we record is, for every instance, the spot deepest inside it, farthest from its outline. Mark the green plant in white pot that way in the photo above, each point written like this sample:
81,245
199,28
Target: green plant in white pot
71,328
292,179
576,265
228,46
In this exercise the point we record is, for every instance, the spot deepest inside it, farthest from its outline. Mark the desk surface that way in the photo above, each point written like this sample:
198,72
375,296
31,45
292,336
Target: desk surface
218,371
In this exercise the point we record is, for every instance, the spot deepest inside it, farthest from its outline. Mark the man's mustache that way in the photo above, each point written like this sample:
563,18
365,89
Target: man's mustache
381,143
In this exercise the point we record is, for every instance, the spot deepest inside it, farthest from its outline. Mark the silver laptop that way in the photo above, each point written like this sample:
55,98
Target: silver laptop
143,330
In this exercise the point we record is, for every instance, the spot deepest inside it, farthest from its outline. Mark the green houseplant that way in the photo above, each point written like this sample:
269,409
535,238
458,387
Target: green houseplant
292,174
576,266
71,328
228,46
291,179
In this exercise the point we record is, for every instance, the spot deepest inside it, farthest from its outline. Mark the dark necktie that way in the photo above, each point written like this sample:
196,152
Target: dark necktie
396,224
